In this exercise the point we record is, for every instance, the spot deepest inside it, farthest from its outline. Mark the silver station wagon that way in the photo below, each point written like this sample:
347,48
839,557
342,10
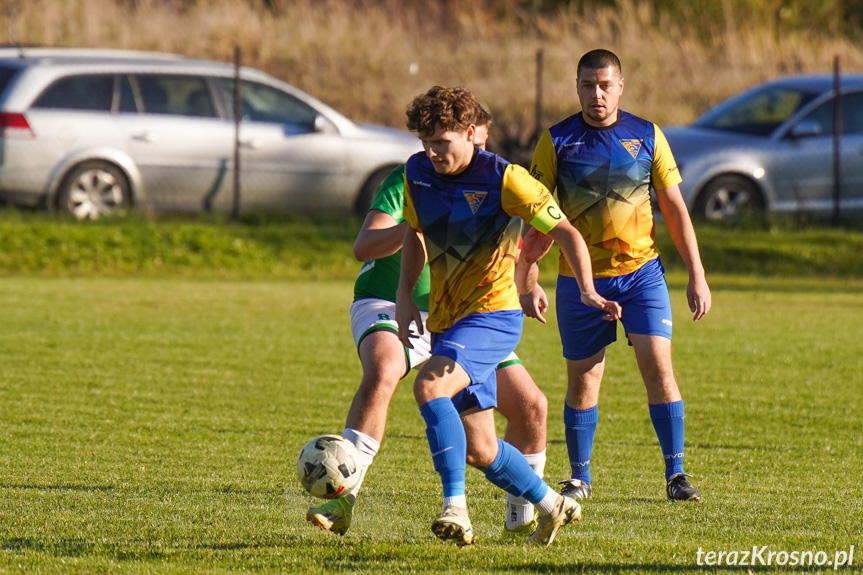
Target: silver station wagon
771,148
92,131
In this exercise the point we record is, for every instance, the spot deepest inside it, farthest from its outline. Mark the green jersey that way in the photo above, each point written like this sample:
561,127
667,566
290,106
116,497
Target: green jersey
379,279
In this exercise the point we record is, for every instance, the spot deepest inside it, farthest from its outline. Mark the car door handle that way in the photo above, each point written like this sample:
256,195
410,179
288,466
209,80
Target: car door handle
252,144
145,137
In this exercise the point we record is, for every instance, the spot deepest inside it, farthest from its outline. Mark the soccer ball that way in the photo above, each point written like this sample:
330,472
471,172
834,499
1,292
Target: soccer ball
329,466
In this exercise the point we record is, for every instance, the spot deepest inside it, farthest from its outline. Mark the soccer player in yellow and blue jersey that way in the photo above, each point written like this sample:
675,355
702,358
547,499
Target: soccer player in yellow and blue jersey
602,163
463,206
386,362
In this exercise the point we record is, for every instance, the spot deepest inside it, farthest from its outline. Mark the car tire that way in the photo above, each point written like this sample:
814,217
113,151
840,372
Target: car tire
92,190
728,197
370,190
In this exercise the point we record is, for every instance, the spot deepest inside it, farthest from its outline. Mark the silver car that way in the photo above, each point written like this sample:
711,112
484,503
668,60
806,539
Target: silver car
771,148
91,131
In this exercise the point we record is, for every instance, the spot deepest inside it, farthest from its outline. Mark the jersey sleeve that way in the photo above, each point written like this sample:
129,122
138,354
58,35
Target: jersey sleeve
543,167
408,211
664,172
390,196
529,199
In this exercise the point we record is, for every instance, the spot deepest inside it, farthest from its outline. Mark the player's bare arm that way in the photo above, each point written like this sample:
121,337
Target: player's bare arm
577,256
682,233
531,296
535,303
535,246
380,236
413,260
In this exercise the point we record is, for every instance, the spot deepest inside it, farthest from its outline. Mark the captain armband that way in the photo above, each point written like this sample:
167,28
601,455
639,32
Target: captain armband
547,218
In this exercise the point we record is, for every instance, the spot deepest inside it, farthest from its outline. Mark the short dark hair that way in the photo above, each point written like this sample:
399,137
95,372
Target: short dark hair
597,60
453,108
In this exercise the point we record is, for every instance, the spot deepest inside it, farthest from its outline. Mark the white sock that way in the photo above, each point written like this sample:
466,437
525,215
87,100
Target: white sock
455,501
519,511
368,447
546,506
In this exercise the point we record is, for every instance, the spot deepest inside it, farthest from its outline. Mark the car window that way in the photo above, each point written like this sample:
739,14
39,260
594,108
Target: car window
175,95
6,73
127,96
852,115
266,104
79,93
756,112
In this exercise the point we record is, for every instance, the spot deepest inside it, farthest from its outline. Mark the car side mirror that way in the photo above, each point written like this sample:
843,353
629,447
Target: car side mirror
324,126
806,129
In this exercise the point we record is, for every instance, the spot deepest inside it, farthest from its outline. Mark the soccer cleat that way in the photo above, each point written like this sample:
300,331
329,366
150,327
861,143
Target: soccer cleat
679,489
334,515
454,525
575,489
523,530
566,509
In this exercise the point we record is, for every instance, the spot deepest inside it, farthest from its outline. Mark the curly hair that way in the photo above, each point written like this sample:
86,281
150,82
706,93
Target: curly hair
453,108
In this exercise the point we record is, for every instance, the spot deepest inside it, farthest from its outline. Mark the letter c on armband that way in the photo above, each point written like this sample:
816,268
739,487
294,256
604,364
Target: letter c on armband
554,212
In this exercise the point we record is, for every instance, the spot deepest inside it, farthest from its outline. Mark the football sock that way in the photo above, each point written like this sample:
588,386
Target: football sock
455,501
368,447
519,511
667,420
511,472
447,442
580,430
546,505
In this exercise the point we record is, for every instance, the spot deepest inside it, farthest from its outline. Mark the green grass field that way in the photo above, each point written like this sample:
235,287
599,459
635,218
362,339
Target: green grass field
152,424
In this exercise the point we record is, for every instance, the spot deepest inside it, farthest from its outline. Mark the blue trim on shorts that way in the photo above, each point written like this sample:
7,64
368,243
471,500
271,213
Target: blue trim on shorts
478,343
643,294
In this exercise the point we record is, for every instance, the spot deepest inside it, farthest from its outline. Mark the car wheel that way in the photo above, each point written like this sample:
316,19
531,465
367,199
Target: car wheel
370,190
728,198
92,190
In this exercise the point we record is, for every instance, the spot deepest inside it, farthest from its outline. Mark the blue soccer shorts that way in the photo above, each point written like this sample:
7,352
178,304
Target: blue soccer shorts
478,343
643,294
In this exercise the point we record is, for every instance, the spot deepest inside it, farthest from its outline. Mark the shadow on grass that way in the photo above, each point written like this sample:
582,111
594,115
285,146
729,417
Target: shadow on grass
60,548
81,548
84,488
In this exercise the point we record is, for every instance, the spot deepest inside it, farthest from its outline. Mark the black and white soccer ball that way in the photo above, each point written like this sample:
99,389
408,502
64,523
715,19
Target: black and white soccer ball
329,466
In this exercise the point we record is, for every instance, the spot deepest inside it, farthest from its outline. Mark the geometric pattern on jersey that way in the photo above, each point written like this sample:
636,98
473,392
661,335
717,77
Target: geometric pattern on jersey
470,238
603,185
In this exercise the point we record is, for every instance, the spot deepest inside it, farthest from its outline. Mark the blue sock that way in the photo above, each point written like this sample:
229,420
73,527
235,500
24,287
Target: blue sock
447,442
668,422
580,429
511,472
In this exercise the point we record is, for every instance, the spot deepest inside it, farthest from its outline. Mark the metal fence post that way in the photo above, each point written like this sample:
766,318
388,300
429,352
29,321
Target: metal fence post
238,117
538,110
837,139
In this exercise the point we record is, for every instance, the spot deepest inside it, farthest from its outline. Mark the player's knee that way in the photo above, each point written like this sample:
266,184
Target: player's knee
383,376
425,390
537,407
481,455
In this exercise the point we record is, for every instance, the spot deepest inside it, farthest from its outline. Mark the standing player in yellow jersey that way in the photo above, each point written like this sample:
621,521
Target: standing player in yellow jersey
460,204
602,163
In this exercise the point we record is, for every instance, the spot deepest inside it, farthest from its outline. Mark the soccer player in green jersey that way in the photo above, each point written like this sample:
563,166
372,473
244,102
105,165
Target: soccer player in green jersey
602,163
386,361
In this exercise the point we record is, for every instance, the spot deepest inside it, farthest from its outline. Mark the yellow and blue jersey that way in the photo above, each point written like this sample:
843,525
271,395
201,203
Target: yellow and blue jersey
602,178
471,231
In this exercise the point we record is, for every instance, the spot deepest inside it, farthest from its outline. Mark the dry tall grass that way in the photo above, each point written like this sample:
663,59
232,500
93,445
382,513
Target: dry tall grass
369,58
